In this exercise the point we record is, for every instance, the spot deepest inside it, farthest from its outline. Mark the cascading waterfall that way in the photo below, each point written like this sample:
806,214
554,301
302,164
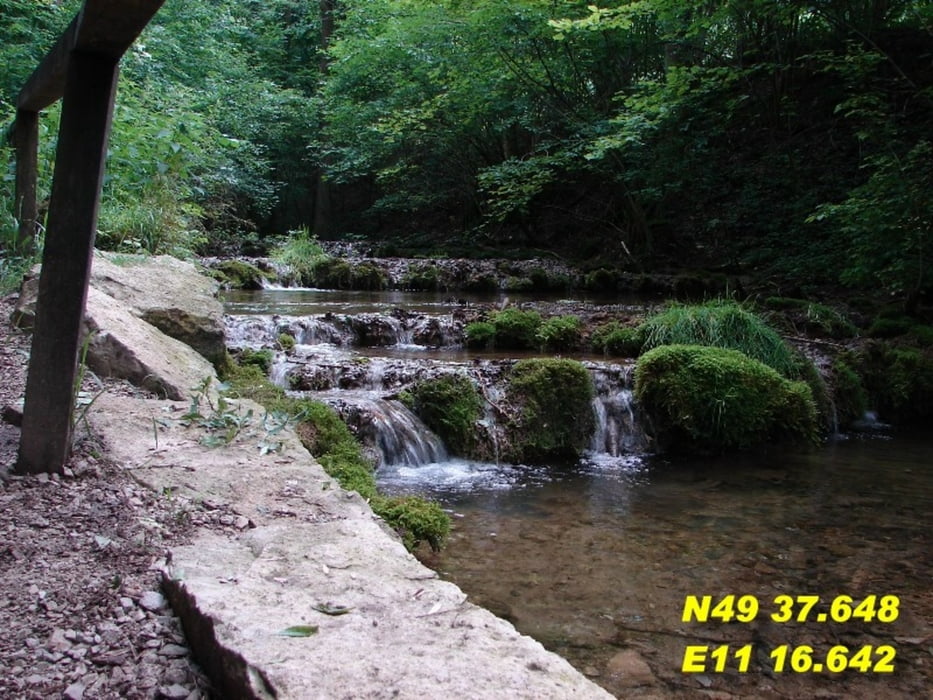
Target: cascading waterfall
617,430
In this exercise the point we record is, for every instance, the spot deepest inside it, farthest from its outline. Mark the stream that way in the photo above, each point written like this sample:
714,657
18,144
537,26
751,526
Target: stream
596,559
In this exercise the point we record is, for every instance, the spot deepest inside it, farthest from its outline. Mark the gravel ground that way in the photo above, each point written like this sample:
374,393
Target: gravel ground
80,608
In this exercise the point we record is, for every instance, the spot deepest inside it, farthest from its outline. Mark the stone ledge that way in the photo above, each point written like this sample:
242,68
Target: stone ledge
310,545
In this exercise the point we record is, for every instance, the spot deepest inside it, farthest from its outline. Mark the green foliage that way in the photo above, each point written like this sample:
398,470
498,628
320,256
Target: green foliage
723,324
301,253
560,334
450,405
897,380
554,415
811,317
714,399
261,359
616,340
425,278
286,341
480,335
516,329
849,396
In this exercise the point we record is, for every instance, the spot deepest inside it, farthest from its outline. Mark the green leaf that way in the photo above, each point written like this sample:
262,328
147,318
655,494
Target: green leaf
299,631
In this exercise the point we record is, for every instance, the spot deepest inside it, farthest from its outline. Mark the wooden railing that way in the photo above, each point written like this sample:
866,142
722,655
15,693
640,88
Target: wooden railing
81,69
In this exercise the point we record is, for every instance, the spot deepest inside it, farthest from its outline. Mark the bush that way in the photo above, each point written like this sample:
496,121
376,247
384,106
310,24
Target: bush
302,253
617,340
449,405
553,412
480,335
716,399
516,329
721,324
560,334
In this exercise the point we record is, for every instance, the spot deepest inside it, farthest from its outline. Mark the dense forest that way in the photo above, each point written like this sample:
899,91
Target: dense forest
783,139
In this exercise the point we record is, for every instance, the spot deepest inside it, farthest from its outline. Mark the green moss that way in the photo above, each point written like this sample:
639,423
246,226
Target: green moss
616,340
450,405
516,329
332,273
481,283
715,399
721,324
518,284
602,281
889,327
814,318
560,334
415,519
256,358
237,274
480,335
302,253
849,395
286,341
554,415
422,279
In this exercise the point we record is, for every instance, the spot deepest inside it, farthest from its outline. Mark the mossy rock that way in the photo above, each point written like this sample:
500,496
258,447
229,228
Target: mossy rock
237,274
480,335
713,399
848,393
415,519
450,405
897,380
553,414
261,359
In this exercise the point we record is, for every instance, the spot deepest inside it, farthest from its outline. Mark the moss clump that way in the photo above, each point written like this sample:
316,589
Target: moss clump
262,359
237,274
480,335
302,253
286,341
553,416
560,334
449,405
422,279
715,399
616,340
415,519
516,329
721,324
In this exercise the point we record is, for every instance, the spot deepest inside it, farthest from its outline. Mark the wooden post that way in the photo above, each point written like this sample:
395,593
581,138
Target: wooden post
26,137
87,109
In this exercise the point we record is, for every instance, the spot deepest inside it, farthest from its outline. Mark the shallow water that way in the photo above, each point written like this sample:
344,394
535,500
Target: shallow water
598,558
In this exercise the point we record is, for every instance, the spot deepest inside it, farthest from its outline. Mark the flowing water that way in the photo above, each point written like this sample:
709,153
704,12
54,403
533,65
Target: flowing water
597,559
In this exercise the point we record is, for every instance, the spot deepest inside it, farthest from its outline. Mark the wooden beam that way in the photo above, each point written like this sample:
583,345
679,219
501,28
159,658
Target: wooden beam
26,138
103,27
87,109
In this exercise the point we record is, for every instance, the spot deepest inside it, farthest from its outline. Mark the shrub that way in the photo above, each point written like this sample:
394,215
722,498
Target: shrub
721,324
553,412
617,340
480,335
301,252
715,399
449,405
561,333
516,329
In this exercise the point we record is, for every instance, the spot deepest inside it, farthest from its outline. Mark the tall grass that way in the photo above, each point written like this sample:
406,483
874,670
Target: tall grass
302,253
722,324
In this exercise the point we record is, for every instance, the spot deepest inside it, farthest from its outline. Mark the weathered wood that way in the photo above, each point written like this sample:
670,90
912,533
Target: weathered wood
103,27
26,137
45,442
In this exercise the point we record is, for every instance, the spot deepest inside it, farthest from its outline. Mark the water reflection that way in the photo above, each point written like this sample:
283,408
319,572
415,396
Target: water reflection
599,557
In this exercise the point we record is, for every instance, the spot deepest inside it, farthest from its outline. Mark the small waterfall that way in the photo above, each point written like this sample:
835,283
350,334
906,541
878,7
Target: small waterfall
403,439
617,429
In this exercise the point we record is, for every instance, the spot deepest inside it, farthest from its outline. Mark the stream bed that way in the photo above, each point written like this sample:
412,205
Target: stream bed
597,559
